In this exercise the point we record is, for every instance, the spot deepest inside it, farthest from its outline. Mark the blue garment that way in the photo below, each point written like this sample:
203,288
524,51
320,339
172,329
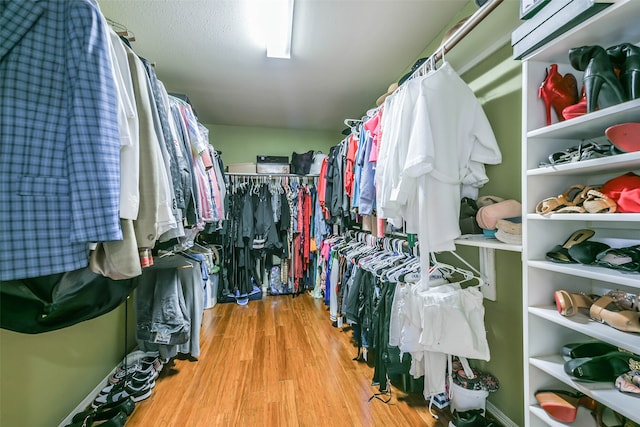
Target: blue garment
357,169
367,184
59,137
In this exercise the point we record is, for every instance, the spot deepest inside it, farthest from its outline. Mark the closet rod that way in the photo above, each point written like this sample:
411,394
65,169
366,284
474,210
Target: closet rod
267,175
460,33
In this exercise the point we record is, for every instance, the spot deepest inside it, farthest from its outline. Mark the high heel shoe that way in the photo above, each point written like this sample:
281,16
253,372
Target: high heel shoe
627,57
558,91
576,110
603,368
602,87
568,304
563,405
605,310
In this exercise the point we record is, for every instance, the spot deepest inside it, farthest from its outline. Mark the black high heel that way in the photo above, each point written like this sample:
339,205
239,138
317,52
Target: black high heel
602,87
627,57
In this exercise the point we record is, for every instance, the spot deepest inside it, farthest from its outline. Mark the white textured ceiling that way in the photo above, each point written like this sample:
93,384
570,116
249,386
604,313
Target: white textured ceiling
344,55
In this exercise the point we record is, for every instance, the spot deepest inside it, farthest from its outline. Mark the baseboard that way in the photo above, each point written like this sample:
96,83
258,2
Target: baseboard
88,399
499,416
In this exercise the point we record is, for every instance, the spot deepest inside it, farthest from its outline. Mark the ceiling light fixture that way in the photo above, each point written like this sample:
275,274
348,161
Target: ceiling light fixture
279,18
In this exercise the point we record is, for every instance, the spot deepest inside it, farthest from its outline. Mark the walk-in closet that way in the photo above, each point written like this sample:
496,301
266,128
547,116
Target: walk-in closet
320,213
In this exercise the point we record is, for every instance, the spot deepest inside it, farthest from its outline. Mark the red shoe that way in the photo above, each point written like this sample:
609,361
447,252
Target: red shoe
563,405
576,110
558,91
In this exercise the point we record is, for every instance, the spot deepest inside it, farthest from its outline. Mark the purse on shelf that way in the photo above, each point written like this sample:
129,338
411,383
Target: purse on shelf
301,163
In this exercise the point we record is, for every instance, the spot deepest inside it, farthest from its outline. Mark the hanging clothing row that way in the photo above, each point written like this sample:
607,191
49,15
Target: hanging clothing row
406,165
269,242
124,164
409,321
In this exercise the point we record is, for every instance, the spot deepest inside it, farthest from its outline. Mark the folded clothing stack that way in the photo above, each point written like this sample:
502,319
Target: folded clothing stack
509,230
500,219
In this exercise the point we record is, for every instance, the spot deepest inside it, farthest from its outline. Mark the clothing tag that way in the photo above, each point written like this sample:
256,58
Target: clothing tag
162,337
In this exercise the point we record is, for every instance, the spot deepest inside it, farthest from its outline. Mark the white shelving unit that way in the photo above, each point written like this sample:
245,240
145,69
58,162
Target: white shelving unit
545,330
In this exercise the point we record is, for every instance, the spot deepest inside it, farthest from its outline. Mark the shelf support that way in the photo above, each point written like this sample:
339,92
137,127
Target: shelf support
487,270
487,258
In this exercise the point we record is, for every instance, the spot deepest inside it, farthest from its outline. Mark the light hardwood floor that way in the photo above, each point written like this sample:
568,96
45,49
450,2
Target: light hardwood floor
276,362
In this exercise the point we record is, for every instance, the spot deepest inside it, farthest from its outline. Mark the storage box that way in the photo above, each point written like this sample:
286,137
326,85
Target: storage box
552,20
273,168
241,168
282,160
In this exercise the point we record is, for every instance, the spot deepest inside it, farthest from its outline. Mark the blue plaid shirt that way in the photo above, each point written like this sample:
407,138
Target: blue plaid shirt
59,141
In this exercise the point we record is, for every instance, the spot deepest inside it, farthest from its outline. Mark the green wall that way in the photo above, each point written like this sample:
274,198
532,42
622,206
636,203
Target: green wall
43,377
242,144
497,83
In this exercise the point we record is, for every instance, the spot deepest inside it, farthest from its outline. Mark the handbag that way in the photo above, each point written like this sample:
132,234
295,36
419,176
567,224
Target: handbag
301,163
468,212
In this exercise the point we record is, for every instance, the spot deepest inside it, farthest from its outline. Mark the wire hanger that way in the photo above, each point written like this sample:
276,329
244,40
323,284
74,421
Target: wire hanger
121,30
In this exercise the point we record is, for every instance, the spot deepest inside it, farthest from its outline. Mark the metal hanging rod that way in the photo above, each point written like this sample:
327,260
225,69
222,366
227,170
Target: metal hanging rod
459,34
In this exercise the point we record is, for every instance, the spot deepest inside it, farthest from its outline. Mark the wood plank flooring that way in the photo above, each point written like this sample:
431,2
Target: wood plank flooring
276,362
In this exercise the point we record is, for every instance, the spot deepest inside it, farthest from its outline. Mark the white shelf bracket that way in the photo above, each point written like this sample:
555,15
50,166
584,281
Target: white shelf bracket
488,272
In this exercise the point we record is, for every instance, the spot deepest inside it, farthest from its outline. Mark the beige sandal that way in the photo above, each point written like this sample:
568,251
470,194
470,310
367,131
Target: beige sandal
605,310
559,203
596,202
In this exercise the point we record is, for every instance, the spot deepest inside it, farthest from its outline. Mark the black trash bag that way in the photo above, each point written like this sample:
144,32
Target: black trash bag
301,163
56,301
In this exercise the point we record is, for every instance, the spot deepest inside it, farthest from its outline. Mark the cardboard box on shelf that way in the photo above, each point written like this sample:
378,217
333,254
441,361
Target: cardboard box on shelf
241,168
273,168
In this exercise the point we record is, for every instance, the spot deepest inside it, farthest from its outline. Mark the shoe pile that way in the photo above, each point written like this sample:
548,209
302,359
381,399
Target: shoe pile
112,414
134,379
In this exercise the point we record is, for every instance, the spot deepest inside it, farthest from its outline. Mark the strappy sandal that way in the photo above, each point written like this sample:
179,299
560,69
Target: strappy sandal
578,153
605,310
596,202
564,200
625,259
625,299
568,304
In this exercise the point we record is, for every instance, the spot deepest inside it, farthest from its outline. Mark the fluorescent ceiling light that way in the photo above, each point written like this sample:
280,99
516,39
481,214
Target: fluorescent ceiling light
279,25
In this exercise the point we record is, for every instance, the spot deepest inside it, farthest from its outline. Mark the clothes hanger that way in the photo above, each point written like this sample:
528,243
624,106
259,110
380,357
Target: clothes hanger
451,270
121,30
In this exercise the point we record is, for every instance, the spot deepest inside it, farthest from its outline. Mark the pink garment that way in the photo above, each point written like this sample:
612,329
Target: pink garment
373,126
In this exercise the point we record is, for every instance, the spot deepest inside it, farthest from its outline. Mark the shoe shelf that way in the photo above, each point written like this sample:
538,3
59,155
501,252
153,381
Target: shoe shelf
590,125
584,417
603,274
604,393
626,161
630,218
583,324
545,331
617,23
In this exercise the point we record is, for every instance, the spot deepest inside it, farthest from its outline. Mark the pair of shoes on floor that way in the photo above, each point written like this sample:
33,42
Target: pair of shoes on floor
112,414
144,365
470,418
136,386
